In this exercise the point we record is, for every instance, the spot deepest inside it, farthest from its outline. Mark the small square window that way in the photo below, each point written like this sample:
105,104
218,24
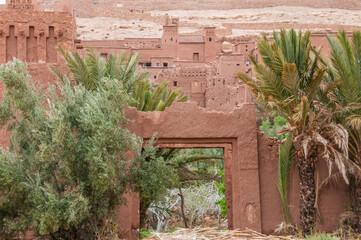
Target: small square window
210,39
148,64
104,55
175,83
165,64
155,77
157,64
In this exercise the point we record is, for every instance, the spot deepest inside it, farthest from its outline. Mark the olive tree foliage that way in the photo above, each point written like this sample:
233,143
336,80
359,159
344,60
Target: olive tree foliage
162,209
200,200
65,169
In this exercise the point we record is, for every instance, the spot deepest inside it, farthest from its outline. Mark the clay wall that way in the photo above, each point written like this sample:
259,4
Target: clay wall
212,47
332,200
222,94
192,80
148,54
102,43
39,5
224,90
251,163
191,51
172,50
30,30
33,36
162,62
230,64
268,164
186,123
191,39
183,63
170,40
245,47
318,40
136,43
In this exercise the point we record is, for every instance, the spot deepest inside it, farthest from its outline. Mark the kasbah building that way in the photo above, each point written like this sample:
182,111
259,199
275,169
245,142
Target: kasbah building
202,65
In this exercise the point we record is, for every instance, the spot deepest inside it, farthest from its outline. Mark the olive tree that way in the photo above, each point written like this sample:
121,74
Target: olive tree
66,167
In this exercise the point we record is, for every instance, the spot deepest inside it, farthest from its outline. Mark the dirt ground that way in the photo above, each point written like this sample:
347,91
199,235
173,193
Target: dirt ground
230,23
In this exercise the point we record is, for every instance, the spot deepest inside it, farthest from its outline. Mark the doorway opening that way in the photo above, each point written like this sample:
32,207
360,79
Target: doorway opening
196,194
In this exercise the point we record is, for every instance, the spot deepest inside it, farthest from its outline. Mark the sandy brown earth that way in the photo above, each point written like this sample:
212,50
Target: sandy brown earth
230,23
108,8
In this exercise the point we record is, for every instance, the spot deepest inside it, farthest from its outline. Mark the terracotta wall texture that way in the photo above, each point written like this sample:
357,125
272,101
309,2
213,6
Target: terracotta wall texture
219,115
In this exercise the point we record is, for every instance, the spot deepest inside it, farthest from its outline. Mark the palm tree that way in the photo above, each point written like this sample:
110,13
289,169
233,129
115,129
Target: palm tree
345,68
290,81
145,95
155,98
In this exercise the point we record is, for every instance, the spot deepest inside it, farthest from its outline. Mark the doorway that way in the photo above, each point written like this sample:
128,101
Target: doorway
202,191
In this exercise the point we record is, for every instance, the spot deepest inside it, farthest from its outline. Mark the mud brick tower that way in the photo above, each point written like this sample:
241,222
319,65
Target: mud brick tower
30,30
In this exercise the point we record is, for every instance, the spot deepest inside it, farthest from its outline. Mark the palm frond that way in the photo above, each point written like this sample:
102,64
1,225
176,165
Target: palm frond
185,159
290,78
89,71
285,164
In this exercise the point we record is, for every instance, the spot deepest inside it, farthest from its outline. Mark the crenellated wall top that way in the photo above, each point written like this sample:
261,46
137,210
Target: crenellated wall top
37,5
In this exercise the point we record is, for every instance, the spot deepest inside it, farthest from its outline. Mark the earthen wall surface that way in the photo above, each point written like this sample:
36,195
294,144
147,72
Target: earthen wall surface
186,123
31,34
39,5
331,201
251,163
192,80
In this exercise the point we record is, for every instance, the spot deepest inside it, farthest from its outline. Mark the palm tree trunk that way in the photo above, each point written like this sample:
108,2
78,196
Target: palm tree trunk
306,170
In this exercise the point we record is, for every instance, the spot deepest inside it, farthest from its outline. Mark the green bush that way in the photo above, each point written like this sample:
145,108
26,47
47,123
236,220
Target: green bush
66,167
272,130
222,191
144,234
321,236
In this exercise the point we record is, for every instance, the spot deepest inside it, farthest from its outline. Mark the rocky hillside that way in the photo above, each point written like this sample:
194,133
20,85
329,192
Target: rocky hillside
111,19
87,8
